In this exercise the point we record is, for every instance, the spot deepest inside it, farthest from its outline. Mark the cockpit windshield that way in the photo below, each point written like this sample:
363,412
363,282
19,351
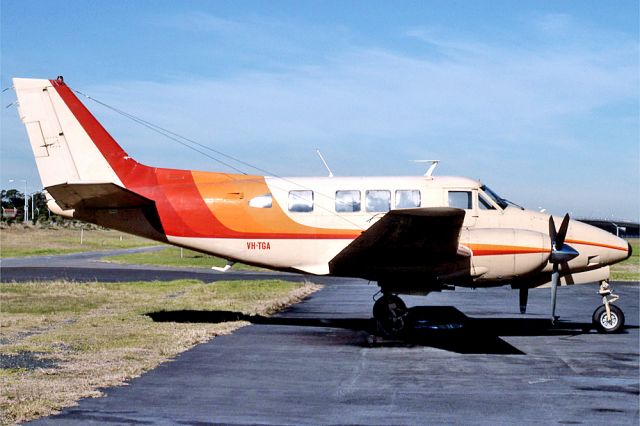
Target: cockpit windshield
495,197
502,202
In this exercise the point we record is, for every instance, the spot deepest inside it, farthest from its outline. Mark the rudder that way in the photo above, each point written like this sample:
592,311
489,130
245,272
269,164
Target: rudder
64,140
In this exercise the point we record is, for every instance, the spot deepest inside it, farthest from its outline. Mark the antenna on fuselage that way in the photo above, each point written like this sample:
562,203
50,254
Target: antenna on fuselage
324,162
432,167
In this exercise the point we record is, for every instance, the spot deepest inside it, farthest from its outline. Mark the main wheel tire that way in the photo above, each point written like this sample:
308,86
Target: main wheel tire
390,313
612,325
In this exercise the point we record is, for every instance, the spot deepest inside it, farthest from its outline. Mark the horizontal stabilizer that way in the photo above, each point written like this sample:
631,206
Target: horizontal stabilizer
99,195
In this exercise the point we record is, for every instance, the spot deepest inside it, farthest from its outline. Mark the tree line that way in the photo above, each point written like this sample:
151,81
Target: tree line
13,207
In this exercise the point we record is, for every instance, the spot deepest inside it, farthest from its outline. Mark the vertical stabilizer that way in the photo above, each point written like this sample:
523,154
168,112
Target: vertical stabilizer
62,139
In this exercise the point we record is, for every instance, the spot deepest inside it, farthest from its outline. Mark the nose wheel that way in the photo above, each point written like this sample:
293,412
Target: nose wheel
608,318
390,313
610,322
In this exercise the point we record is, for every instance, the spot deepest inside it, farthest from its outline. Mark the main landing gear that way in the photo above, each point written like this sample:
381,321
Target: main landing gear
608,318
391,315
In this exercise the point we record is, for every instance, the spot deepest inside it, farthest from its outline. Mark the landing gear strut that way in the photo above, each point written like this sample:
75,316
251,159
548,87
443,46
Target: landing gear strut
390,313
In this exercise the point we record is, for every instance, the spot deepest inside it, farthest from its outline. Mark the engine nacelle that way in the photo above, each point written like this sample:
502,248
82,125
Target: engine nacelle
503,254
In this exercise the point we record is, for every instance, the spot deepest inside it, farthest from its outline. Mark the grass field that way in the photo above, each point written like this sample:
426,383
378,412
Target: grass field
19,240
629,270
64,341
171,256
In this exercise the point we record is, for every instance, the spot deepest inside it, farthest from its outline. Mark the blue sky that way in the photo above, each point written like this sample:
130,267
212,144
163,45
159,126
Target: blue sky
538,99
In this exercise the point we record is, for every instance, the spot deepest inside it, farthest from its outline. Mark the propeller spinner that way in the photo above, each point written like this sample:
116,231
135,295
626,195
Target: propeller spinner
560,253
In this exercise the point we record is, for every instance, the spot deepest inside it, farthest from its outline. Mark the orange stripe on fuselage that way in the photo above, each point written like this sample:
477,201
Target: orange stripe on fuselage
499,250
227,198
588,243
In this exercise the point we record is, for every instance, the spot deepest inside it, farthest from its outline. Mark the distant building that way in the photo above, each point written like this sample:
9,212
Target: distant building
620,228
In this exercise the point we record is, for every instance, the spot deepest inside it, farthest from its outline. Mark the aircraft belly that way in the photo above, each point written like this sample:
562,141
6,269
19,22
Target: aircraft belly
306,255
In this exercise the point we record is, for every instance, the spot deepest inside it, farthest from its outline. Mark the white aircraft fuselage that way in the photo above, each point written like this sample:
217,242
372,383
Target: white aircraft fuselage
410,234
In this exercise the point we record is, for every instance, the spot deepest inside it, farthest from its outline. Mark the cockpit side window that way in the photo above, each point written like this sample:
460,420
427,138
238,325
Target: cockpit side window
460,199
484,203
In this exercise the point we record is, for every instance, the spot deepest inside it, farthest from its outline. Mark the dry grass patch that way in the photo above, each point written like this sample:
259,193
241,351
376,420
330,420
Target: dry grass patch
63,341
20,240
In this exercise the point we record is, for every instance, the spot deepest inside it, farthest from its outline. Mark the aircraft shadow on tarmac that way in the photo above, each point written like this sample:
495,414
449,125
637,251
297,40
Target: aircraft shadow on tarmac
442,327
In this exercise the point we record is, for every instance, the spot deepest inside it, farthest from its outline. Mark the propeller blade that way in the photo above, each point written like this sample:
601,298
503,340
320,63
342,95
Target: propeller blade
524,297
562,233
552,231
555,277
559,254
559,251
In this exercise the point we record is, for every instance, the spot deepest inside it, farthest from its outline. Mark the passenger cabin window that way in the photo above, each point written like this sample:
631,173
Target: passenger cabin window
407,198
301,201
460,199
378,201
347,201
485,204
261,201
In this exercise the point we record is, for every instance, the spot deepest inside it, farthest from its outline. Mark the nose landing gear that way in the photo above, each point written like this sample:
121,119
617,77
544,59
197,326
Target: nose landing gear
608,318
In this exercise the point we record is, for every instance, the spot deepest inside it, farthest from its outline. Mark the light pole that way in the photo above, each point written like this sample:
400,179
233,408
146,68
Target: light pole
26,211
619,228
32,202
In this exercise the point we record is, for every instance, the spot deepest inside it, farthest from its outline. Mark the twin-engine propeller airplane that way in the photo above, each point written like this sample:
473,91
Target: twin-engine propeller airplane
412,235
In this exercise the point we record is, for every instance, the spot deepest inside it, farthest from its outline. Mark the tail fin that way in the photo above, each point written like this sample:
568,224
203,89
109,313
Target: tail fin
82,168
68,143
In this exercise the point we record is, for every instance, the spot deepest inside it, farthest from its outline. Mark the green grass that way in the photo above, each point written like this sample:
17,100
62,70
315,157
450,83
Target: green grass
629,270
171,257
99,336
21,241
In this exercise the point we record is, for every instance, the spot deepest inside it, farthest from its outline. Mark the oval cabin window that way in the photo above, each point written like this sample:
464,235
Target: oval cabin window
262,201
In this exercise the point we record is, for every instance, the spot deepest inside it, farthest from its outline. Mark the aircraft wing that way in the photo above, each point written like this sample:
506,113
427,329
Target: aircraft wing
411,241
99,195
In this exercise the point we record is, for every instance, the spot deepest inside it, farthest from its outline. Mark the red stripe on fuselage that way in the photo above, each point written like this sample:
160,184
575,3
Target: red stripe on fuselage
109,148
172,200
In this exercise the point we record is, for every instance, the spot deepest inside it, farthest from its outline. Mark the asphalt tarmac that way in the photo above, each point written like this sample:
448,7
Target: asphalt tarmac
87,267
470,359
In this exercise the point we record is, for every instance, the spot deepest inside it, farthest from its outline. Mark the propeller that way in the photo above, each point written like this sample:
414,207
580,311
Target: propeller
560,253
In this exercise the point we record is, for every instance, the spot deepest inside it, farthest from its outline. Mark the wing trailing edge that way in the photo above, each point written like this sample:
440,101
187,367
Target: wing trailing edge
407,242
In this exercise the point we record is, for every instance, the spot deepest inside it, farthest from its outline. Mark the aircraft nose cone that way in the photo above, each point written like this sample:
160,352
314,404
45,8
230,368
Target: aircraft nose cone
629,250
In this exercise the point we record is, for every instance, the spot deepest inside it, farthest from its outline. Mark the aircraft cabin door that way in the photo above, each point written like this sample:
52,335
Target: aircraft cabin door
463,198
